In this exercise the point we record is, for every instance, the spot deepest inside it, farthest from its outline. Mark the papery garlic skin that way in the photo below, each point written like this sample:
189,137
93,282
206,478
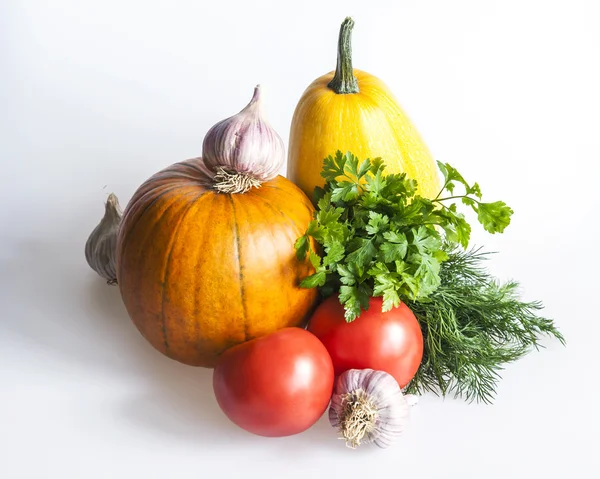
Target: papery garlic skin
101,246
368,406
244,144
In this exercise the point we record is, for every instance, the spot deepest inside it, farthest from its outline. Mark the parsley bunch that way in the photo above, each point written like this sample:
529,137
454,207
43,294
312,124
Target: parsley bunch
378,237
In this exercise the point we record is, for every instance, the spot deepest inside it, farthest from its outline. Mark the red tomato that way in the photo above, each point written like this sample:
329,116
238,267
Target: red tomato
390,342
276,385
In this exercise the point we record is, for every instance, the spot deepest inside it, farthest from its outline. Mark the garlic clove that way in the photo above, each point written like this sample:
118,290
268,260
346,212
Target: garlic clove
368,406
101,245
243,150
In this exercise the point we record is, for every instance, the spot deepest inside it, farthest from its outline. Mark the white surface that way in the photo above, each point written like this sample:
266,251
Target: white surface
98,95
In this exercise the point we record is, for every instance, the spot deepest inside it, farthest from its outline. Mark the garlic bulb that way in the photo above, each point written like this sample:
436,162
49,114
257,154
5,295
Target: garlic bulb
243,151
368,406
101,246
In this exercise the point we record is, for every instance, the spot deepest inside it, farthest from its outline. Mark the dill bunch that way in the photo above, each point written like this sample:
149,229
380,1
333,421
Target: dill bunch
472,326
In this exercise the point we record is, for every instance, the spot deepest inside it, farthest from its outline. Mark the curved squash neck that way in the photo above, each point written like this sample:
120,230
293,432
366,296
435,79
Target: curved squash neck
344,81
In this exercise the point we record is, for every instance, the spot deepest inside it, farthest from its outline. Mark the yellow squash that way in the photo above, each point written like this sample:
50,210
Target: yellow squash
351,110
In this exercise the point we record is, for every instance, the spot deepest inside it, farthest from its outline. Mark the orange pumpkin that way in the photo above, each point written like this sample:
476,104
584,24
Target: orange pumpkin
200,271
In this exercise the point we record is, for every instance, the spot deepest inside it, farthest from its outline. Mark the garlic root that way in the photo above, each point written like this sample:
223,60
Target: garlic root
368,406
358,417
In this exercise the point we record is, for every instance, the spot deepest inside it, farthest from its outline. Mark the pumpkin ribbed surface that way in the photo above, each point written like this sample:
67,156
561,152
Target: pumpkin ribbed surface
369,123
200,271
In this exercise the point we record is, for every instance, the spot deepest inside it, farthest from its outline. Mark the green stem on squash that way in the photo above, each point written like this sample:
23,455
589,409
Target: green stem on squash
344,81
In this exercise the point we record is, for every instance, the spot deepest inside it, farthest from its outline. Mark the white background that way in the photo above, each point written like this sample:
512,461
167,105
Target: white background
96,96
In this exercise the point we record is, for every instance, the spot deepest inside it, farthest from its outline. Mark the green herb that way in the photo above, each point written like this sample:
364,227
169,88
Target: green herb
472,326
378,237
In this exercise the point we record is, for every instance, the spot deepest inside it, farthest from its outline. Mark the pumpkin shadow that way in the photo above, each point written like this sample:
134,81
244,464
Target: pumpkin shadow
66,314
60,310
174,400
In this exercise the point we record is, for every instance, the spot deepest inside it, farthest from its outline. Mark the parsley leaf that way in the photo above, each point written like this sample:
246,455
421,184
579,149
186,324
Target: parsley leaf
335,253
363,251
396,247
346,191
333,167
377,222
355,299
301,246
314,280
425,239
494,216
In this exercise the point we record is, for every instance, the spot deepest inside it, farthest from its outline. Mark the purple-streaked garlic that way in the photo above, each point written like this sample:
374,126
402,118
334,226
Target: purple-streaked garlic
368,406
243,150
101,246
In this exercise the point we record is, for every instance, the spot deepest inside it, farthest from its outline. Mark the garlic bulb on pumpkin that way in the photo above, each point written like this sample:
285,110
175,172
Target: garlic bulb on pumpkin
243,150
101,246
368,406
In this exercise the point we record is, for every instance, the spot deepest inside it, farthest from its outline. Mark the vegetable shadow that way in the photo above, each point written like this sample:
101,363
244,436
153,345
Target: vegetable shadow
65,314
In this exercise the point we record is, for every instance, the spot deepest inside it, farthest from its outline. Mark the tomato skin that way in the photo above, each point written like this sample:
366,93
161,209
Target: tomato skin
276,385
390,341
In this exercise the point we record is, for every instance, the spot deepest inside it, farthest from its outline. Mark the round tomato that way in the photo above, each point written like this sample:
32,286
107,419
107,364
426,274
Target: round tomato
390,341
275,385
